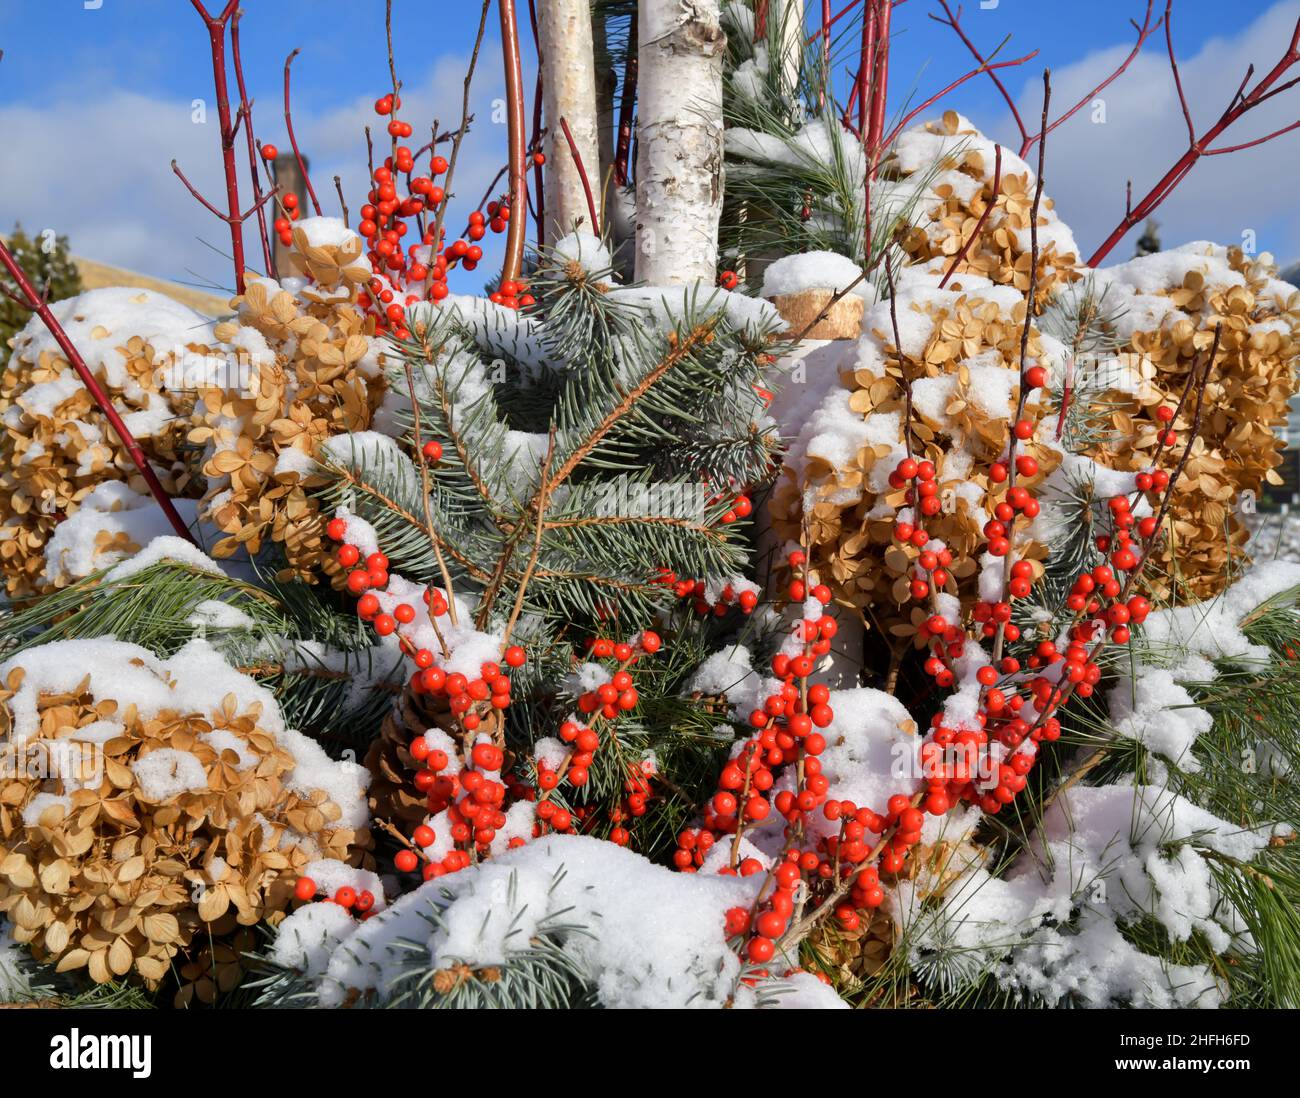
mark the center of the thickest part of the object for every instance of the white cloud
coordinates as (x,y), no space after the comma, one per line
(1144,134)
(99,169)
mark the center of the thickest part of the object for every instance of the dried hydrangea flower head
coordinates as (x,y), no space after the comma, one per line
(1166,307)
(129,827)
(961,352)
(955,164)
(56,447)
(310,369)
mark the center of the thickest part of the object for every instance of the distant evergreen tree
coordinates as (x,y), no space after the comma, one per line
(53,267)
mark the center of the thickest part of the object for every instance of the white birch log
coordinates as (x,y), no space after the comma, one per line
(792,34)
(569,92)
(679,172)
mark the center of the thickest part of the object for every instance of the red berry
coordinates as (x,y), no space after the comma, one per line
(269,151)
(432,450)
(305,889)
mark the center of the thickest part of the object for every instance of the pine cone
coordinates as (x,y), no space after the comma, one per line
(854,956)
(393,796)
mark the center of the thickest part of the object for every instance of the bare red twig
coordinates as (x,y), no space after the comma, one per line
(1173,64)
(582,174)
(866,70)
(1242,103)
(293,141)
(1027,139)
(986,67)
(879,82)
(216,27)
(518,224)
(41,308)
(239,218)
(979,225)
(829,21)
(246,111)
(826,51)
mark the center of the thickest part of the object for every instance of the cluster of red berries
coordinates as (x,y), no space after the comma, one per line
(360,903)
(785,733)
(291,212)
(743,595)
(637,787)
(607,702)
(418,272)
(474,800)
(288,202)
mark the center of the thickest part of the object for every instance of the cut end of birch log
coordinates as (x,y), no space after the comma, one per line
(843,320)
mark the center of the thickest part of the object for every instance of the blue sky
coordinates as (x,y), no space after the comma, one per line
(95,102)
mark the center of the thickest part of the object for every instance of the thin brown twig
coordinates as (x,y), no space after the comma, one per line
(1030,294)
(246,111)
(420,458)
(293,141)
(465,119)
(343,202)
(541,504)
(979,225)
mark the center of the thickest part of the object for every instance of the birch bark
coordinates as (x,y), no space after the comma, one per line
(679,169)
(569,92)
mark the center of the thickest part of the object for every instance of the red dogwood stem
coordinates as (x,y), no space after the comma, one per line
(217,36)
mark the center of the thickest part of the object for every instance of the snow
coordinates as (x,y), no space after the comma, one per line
(792,274)
(668,306)
(872,750)
(585,250)
(214,614)
(197,679)
(722,672)
(308,938)
(14,983)
(327,232)
(1213,629)
(1099,967)
(168,772)
(373,451)
(34,809)
(643,936)
(112,522)
(98,322)
(167,548)
(330,875)
(1159,713)
(1104,856)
